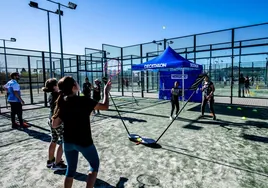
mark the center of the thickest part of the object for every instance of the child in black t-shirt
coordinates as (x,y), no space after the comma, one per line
(175,93)
(208,89)
(73,111)
(56,133)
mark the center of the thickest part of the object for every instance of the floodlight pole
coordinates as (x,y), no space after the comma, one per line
(4,42)
(61,46)
(71,6)
(49,44)
(35,5)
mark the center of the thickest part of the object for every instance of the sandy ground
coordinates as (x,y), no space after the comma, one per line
(195,153)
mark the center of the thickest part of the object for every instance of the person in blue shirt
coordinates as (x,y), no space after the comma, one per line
(15,100)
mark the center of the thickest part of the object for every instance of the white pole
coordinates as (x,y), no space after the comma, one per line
(131,80)
(182,87)
(132,84)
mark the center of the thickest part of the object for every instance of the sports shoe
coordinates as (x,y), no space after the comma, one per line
(59,166)
(15,125)
(25,125)
(50,163)
(170,117)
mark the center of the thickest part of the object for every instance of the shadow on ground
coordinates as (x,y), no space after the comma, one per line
(36,134)
(99,183)
(236,110)
(131,120)
(219,122)
(255,138)
(222,163)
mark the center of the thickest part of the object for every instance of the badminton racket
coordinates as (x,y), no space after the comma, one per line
(112,68)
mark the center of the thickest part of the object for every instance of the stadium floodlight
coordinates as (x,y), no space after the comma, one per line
(13,40)
(72,5)
(59,12)
(33,4)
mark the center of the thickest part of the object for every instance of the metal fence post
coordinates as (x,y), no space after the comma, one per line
(239,69)
(77,68)
(44,76)
(30,79)
(232,73)
(122,71)
(194,48)
(142,74)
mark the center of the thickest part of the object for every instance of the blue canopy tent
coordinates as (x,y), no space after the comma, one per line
(170,61)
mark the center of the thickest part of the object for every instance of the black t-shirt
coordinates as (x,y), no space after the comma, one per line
(87,88)
(247,82)
(75,114)
(52,99)
(175,93)
(207,88)
(241,80)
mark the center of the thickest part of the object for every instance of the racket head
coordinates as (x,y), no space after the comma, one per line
(112,68)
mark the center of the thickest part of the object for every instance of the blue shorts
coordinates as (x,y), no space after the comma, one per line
(71,152)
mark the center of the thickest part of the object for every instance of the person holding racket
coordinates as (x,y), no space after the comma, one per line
(74,111)
(175,93)
(208,89)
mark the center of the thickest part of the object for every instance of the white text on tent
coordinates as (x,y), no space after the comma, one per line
(155,65)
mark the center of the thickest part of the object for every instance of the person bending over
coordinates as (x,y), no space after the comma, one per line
(73,111)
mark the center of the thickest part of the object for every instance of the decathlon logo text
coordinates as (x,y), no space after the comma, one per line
(155,65)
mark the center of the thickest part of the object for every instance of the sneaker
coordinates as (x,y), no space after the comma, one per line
(25,125)
(15,126)
(170,117)
(59,166)
(50,163)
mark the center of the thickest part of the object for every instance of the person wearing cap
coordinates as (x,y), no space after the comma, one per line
(87,88)
(15,100)
(97,93)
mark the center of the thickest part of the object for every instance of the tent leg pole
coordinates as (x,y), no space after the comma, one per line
(132,84)
(182,86)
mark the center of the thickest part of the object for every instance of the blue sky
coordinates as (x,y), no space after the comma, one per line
(122,22)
